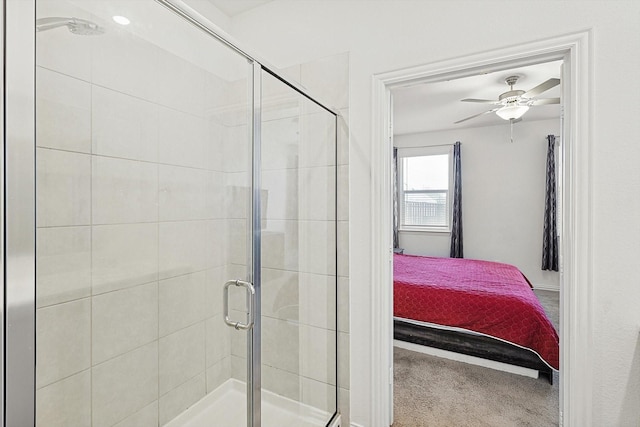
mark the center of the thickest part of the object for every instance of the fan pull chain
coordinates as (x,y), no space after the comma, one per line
(511,128)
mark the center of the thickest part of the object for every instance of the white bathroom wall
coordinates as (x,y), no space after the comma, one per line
(388,35)
(133,224)
(503,190)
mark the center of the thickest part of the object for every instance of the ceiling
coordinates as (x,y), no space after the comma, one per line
(430,107)
(232,8)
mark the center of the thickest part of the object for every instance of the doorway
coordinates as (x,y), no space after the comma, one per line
(503,200)
(575,296)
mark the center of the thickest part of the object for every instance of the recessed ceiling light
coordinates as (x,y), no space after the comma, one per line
(122,20)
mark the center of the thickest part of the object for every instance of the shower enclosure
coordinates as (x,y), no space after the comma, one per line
(170,227)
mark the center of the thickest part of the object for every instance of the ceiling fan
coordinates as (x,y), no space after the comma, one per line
(512,104)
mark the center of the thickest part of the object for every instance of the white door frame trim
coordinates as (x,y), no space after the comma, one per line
(576,248)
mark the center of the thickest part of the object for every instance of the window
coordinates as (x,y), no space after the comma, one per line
(424,176)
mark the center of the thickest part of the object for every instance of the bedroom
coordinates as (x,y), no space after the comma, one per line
(503,182)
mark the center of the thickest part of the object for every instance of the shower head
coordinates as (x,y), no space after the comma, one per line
(78,26)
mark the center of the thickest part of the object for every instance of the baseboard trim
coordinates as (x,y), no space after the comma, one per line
(543,287)
(472,360)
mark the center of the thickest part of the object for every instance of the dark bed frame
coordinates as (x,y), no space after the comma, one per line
(472,345)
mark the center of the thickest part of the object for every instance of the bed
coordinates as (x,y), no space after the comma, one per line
(479,308)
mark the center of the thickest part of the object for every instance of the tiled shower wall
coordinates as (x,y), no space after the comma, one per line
(142,169)
(133,227)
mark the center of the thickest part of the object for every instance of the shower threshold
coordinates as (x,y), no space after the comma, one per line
(226,406)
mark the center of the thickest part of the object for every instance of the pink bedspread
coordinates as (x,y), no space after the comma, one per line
(481,296)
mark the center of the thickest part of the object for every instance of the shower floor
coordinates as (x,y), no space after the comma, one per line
(227,407)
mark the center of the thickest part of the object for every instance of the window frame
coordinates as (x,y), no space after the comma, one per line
(434,150)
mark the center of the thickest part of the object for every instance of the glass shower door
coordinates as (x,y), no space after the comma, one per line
(143,135)
(298,249)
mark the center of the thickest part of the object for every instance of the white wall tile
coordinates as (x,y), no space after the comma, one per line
(343,248)
(214,147)
(239,368)
(214,281)
(215,199)
(281,344)
(281,382)
(218,340)
(182,139)
(238,194)
(343,360)
(124,126)
(343,137)
(182,84)
(218,373)
(281,294)
(60,101)
(318,300)
(281,193)
(180,398)
(237,149)
(328,77)
(182,247)
(236,235)
(65,403)
(344,403)
(215,243)
(238,338)
(59,49)
(182,302)
(287,105)
(343,304)
(123,320)
(182,356)
(343,192)
(146,417)
(280,245)
(317,188)
(318,139)
(126,63)
(183,193)
(63,188)
(280,143)
(64,264)
(319,395)
(318,247)
(318,354)
(236,110)
(124,385)
(63,334)
(124,255)
(124,191)
(216,90)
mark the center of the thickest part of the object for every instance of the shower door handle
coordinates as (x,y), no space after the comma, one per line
(225,301)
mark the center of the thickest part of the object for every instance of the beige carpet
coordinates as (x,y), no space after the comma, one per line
(434,392)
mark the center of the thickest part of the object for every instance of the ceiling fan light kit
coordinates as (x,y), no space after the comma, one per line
(512,112)
(513,104)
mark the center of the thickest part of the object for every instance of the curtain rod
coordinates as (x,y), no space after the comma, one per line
(437,145)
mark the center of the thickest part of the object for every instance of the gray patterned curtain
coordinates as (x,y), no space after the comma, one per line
(456,215)
(550,236)
(396,237)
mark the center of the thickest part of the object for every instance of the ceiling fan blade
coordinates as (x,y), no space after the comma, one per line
(476,115)
(545,101)
(482,101)
(542,87)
